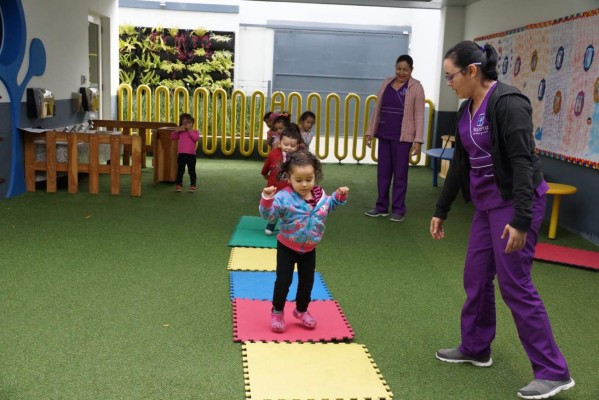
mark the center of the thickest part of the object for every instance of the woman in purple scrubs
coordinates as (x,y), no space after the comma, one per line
(496,168)
(398,124)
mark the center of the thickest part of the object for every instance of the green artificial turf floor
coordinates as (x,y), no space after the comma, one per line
(114,297)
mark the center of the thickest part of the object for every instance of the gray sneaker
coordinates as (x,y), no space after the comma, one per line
(542,389)
(375,213)
(456,356)
(397,217)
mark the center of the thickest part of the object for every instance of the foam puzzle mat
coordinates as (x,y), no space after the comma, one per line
(325,371)
(258,285)
(249,232)
(252,259)
(251,322)
(567,256)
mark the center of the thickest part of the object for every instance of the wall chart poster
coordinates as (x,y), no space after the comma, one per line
(556,64)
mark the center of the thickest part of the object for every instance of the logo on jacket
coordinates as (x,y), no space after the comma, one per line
(481,120)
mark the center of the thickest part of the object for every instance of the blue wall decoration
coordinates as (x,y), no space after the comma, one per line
(12,53)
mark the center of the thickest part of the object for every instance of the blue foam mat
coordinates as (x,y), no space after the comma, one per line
(258,285)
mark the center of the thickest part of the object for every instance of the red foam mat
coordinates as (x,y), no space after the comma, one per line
(251,322)
(567,255)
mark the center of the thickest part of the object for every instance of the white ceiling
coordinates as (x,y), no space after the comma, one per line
(430,4)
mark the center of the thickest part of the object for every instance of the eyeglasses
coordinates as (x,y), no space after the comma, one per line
(449,78)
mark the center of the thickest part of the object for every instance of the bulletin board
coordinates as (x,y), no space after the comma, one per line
(555,65)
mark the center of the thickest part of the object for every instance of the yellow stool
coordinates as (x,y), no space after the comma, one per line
(557,190)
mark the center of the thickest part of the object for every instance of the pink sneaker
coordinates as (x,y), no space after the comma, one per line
(277,322)
(305,318)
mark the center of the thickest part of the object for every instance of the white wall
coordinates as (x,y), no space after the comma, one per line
(254,44)
(491,16)
(425,25)
(254,58)
(66,45)
(66,53)
(179,19)
(108,12)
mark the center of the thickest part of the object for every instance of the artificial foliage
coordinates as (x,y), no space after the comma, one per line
(175,57)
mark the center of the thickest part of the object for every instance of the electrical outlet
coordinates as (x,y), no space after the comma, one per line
(83,79)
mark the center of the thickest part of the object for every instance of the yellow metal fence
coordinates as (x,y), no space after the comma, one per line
(236,122)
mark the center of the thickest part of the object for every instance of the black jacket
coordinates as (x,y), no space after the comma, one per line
(516,166)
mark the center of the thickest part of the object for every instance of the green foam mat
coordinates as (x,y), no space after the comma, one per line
(249,232)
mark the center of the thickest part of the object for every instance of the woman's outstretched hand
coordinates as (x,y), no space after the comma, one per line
(516,239)
(437,231)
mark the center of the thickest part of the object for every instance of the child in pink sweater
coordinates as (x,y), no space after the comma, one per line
(187,137)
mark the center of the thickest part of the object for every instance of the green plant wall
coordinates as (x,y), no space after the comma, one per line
(175,57)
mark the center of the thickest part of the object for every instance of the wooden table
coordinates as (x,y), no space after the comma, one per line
(557,190)
(165,155)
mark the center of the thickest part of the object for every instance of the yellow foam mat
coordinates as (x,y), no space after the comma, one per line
(252,259)
(303,371)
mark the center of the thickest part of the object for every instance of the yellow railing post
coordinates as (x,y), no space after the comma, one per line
(317,110)
(162,90)
(294,98)
(429,131)
(181,90)
(370,101)
(277,100)
(239,100)
(356,117)
(259,97)
(196,113)
(328,117)
(124,87)
(345,138)
(142,93)
(222,95)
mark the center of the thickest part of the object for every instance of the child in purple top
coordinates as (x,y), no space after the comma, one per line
(187,137)
(302,209)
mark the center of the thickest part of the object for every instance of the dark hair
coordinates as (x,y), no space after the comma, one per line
(468,52)
(187,117)
(307,114)
(266,116)
(301,158)
(284,117)
(406,58)
(292,131)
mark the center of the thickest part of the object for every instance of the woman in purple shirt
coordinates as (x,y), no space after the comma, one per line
(495,167)
(398,124)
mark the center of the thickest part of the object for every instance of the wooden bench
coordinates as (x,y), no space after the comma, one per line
(557,190)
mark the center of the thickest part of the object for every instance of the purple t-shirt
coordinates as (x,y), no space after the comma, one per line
(475,135)
(392,108)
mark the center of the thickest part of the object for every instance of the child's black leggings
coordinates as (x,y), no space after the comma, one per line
(184,159)
(306,265)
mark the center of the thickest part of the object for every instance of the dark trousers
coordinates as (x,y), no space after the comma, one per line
(306,265)
(189,160)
